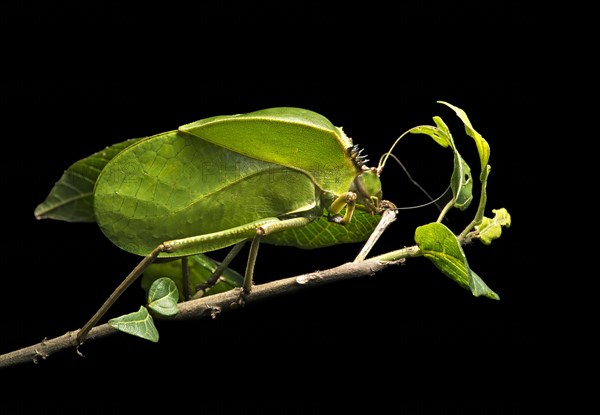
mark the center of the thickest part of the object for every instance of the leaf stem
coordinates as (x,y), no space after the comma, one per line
(400,254)
(445,210)
(464,235)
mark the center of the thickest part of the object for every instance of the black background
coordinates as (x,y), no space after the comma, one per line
(80,76)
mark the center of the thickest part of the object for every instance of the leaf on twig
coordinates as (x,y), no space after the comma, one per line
(460,182)
(491,228)
(483,148)
(441,247)
(138,324)
(163,296)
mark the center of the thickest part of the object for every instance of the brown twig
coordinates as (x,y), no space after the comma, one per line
(209,306)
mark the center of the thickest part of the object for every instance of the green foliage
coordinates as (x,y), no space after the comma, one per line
(436,241)
(491,228)
(163,297)
(483,148)
(461,182)
(441,246)
(138,324)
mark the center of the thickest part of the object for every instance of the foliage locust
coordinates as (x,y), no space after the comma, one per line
(284,176)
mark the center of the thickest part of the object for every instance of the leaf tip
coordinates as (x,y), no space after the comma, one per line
(487,294)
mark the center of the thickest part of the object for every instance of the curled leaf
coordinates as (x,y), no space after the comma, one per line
(491,228)
(438,135)
(163,296)
(461,182)
(483,148)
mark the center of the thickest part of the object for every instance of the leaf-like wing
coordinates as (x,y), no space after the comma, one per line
(71,198)
(291,137)
(321,232)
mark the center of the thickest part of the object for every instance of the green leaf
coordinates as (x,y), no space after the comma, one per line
(163,296)
(491,228)
(138,324)
(479,288)
(201,268)
(461,182)
(441,247)
(439,136)
(483,147)
(71,198)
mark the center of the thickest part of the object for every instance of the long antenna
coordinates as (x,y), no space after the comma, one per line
(421,188)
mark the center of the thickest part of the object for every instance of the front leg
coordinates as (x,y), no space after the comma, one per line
(347,200)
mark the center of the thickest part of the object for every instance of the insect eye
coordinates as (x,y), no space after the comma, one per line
(368,185)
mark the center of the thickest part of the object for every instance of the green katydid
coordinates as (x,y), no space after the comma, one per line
(284,176)
(225,180)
